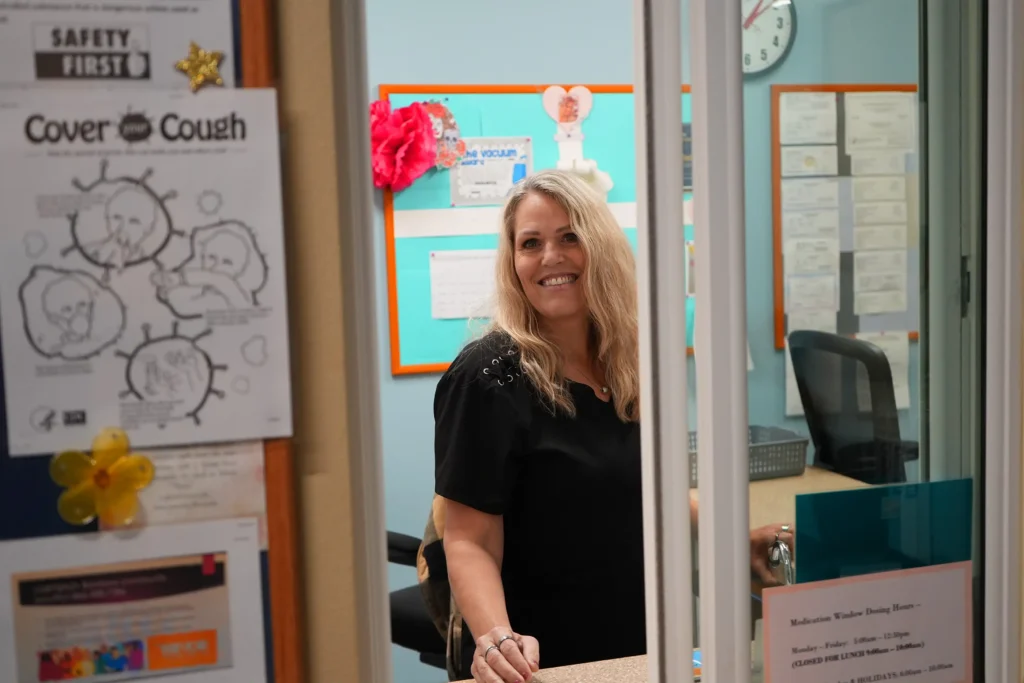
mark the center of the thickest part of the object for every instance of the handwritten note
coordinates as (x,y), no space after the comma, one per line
(203,483)
(908,625)
(461,283)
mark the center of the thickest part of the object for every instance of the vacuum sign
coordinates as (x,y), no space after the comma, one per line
(91,52)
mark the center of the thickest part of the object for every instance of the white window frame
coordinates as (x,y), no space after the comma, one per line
(722,368)
(668,563)
(362,380)
(720,340)
(1003,343)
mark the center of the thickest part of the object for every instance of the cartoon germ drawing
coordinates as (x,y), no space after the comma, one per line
(128,226)
(225,271)
(69,314)
(35,244)
(172,370)
(254,351)
(209,202)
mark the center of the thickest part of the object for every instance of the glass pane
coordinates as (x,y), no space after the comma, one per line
(861,217)
(567,490)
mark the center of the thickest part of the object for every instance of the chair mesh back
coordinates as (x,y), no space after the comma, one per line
(847,396)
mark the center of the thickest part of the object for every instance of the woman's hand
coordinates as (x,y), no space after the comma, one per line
(761,541)
(505,657)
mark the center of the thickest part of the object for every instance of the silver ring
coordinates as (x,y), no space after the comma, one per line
(488,651)
(504,638)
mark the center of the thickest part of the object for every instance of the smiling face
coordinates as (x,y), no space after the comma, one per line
(549,259)
(226,254)
(68,305)
(131,216)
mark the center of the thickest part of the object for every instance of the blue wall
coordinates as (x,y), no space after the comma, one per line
(482,41)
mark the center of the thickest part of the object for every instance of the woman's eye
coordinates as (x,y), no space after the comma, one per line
(571,237)
(531,243)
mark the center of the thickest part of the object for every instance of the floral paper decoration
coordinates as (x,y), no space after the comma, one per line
(402,144)
(450,145)
(102,484)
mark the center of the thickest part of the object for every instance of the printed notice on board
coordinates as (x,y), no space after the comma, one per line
(461,283)
(490,168)
(180,602)
(880,121)
(807,118)
(911,625)
(75,621)
(114,44)
(896,347)
(794,405)
(142,280)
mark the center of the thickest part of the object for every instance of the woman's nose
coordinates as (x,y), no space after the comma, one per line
(553,254)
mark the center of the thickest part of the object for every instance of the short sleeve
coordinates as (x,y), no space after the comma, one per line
(477,428)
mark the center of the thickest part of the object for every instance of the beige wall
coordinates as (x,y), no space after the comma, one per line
(307,112)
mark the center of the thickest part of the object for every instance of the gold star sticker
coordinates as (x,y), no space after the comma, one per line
(201,67)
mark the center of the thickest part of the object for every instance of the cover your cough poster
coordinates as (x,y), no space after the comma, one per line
(142,281)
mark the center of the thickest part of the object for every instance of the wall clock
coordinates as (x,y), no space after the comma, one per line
(769,28)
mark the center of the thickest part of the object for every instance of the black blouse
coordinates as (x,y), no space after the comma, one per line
(569,491)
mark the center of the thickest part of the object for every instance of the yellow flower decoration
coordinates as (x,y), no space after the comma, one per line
(102,484)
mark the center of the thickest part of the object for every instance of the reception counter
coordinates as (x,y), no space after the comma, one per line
(630,670)
(772,501)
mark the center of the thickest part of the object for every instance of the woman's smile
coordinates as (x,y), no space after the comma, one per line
(560,281)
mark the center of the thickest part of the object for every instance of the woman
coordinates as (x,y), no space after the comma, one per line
(537,445)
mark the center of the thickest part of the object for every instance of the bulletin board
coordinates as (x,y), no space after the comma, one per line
(28,495)
(845,164)
(421,223)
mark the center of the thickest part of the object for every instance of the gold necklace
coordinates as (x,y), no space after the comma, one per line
(603,387)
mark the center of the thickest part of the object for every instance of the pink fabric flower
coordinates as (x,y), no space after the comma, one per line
(402,144)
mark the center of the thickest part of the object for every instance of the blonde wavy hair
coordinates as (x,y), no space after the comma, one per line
(609,289)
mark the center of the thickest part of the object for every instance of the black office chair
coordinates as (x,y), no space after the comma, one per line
(848,399)
(411,625)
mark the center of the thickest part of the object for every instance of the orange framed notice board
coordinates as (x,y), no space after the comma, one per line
(845,187)
(440,238)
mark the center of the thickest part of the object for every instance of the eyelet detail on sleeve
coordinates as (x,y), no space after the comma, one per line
(504,368)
